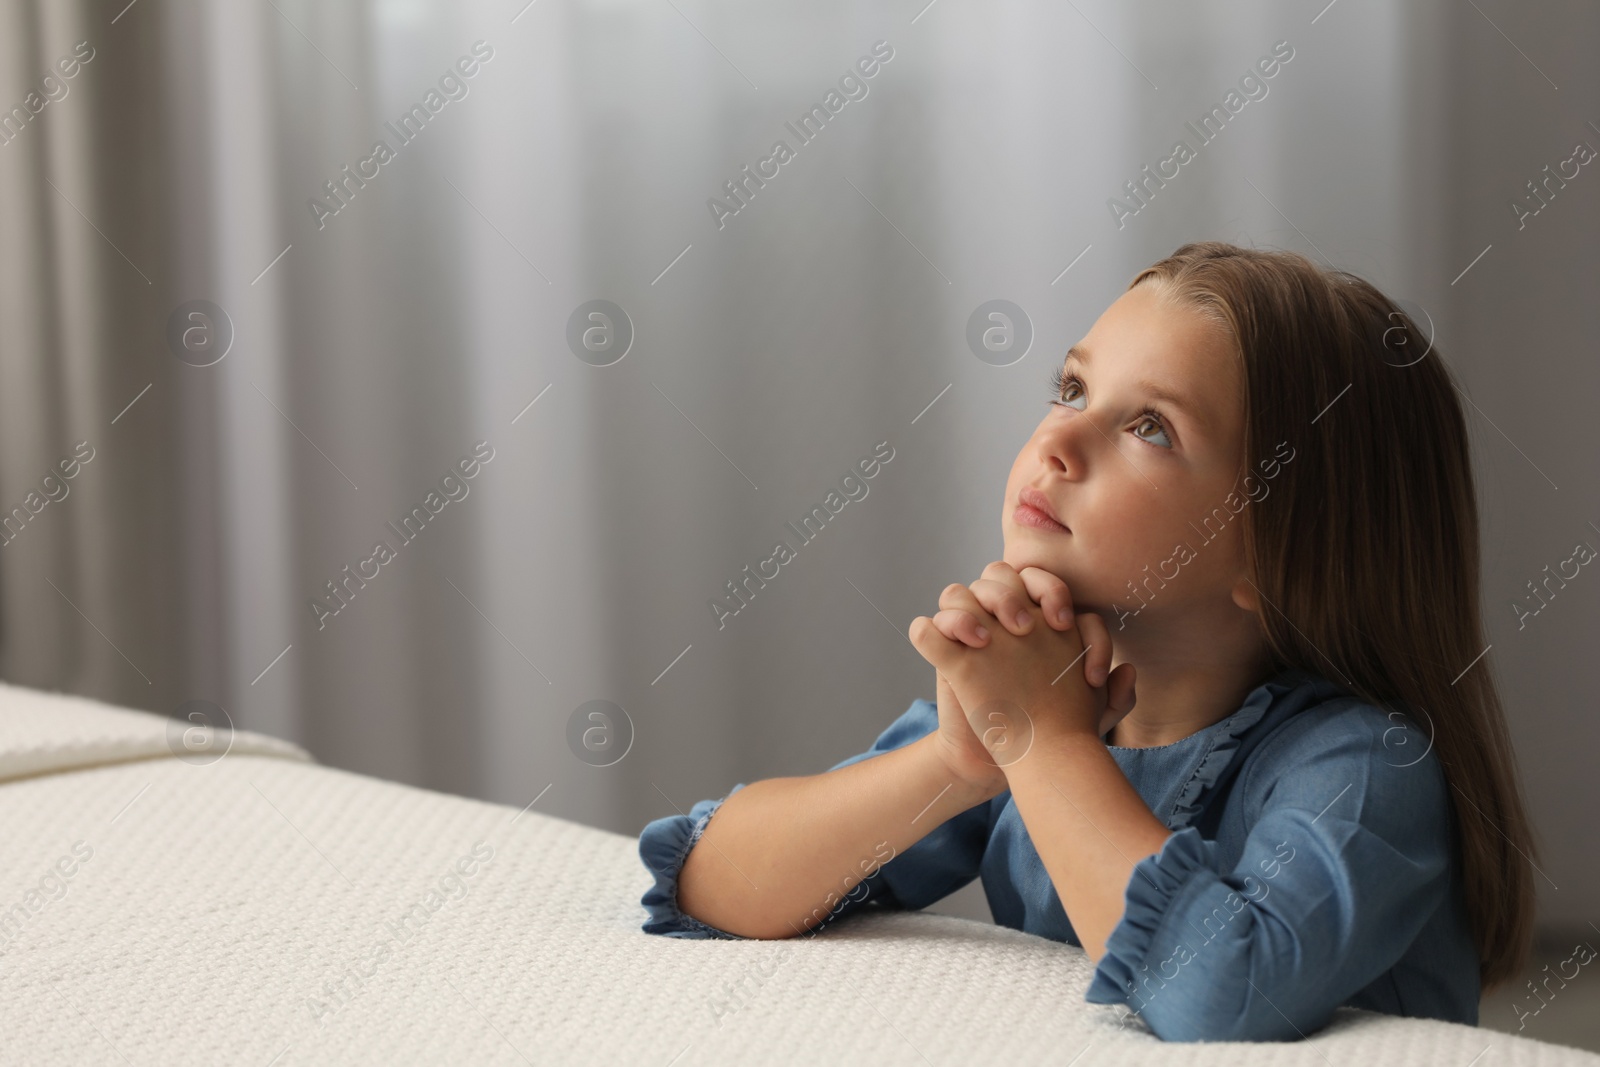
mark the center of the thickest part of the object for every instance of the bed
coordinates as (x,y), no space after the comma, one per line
(176,897)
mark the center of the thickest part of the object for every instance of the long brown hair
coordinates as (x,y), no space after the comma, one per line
(1367,558)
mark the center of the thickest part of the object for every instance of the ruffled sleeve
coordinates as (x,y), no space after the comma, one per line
(1155,882)
(1346,858)
(663,847)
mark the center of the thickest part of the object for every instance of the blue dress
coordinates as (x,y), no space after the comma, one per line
(1313,864)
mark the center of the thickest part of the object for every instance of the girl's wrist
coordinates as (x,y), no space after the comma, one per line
(1053,745)
(962,791)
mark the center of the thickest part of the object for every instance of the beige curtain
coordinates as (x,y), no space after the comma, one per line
(93,573)
(179,562)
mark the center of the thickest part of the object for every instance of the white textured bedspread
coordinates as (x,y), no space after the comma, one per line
(261,909)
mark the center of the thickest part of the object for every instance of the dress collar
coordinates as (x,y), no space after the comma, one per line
(1224,737)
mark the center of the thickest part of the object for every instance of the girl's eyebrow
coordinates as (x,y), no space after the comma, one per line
(1080,355)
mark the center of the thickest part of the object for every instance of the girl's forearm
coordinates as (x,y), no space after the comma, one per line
(1088,825)
(780,854)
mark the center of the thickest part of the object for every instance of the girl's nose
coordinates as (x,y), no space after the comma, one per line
(1067,442)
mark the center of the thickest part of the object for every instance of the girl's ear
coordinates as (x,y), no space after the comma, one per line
(1245,595)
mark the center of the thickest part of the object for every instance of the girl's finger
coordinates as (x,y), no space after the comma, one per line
(1120,689)
(958,625)
(958,597)
(1004,573)
(1121,698)
(1052,594)
(932,645)
(1097,640)
(1008,606)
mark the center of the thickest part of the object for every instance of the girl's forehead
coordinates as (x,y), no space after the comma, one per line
(1168,353)
(1148,322)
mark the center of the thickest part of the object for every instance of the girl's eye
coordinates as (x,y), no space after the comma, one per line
(1058,390)
(1149,418)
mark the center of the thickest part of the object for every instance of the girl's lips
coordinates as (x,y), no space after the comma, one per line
(1031,516)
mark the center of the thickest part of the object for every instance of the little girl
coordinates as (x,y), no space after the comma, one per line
(1255,476)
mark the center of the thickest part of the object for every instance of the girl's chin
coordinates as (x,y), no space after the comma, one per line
(1023,555)
(1083,598)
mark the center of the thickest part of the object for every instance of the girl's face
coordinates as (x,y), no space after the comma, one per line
(1127,470)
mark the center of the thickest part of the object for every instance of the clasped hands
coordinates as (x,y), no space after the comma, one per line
(1015,664)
